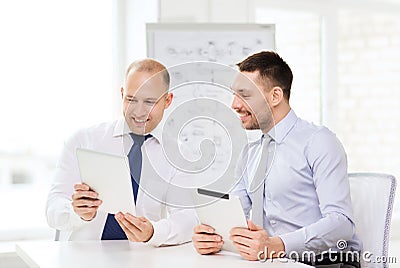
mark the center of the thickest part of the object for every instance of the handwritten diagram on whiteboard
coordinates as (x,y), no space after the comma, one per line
(220,45)
(224,43)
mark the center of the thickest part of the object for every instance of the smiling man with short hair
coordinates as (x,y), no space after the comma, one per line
(72,206)
(304,203)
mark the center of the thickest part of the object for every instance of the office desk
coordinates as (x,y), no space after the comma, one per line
(52,254)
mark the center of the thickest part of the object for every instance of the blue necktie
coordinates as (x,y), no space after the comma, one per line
(112,230)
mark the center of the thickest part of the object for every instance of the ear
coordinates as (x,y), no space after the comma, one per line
(168,100)
(276,96)
(122,92)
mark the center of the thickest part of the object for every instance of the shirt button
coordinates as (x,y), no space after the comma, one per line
(273,222)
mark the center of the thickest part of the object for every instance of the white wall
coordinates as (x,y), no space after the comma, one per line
(358,55)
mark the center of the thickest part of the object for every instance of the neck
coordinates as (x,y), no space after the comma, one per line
(278,114)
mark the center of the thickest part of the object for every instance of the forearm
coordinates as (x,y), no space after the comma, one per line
(176,229)
(319,236)
(60,214)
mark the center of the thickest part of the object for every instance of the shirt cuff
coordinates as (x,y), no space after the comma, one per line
(77,221)
(160,233)
(294,242)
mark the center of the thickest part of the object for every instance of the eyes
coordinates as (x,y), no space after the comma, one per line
(147,102)
(242,95)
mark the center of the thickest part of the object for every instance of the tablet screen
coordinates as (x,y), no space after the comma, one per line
(108,175)
(222,212)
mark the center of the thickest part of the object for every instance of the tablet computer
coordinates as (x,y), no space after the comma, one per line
(108,175)
(222,212)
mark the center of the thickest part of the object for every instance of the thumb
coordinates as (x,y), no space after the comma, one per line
(143,219)
(253,227)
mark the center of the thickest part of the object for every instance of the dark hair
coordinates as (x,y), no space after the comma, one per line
(272,69)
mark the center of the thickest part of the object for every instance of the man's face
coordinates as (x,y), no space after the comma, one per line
(145,98)
(251,102)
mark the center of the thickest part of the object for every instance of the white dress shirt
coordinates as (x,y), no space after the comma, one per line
(154,195)
(306,192)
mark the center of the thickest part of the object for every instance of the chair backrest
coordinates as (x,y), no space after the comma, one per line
(372,195)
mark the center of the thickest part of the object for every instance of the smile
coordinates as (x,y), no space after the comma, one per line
(244,115)
(140,121)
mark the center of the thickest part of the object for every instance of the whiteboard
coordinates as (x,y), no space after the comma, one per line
(206,53)
(224,43)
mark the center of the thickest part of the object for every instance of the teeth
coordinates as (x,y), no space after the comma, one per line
(140,121)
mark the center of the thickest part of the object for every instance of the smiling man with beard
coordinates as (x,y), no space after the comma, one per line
(303,203)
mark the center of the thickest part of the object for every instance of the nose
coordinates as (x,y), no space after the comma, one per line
(236,103)
(140,111)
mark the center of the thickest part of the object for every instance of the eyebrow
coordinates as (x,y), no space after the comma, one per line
(240,90)
(145,99)
(149,98)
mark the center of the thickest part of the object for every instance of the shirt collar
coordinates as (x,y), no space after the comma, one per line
(121,128)
(282,129)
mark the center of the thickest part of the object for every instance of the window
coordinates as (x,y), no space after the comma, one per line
(298,42)
(56,69)
(369,90)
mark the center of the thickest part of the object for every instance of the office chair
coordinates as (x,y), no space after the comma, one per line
(57,235)
(372,195)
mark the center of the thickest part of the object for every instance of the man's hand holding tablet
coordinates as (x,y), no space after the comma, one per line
(205,240)
(218,214)
(85,202)
(224,226)
(106,186)
(108,178)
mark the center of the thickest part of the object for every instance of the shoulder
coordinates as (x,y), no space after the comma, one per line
(320,141)
(104,127)
(323,137)
(97,131)
(307,129)
(312,133)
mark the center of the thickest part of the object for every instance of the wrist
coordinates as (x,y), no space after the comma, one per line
(86,219)
(89,218)
(151,234)
(276,247)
